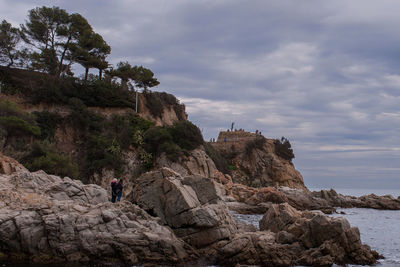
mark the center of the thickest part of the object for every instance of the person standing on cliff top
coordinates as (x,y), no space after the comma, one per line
(118,189)
(113,190)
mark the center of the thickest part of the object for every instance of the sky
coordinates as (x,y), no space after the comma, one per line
(324,74)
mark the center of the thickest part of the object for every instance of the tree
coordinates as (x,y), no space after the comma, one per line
(91,51)
(145,78)
(59,36)
(46,30)
(9,39)
(142,77)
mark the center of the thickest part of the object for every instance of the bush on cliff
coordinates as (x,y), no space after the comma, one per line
(156,102)
(45,157)
(256,143)
(47,122)
(102,152)
(186,135)
(220,161)
(15,122)
(283,149)
(173,140)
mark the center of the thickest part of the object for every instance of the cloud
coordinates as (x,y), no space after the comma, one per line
(322,73)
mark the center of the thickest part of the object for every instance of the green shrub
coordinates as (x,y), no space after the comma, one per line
(84,119)
(220,161)
(283,149)
(256,143)
(102,152)
(48,122)
(128,129)
(9,108)
(172,150)
(173,140)
(49,91)
(95,92)
(186,135)
(18,126)
(157,101)
(42,87)
(155,137)
(44,157)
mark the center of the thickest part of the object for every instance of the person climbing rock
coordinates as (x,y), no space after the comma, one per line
(119,188)
(113,190)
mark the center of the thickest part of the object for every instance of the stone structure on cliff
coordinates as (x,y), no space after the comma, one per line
(260,166)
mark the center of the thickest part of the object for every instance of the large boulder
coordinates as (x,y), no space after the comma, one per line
(46,218)
(332,239)
(190,205)
(196,162)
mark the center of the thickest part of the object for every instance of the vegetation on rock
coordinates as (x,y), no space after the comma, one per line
(221,161)
(156,102)
(173,140)
(283,148)
(256,143)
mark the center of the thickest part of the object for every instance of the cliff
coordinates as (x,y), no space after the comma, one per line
(254,161)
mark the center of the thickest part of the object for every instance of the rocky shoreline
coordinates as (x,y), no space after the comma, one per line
(250,200)
(175,220)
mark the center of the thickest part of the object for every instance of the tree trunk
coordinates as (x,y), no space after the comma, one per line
(100,74)
(86,73)
(60,68)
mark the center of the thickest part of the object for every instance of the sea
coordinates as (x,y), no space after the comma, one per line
(380,229)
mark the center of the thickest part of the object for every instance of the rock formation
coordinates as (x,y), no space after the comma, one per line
(257,167)
(48,218)
(45,218)
(371,201)
(255,200)
(332,239)
(190,205)
(197,162)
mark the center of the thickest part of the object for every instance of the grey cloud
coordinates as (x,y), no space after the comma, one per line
(322,73)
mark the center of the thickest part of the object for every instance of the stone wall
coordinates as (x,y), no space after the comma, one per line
(235,136)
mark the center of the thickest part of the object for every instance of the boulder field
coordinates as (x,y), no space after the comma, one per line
(167,219)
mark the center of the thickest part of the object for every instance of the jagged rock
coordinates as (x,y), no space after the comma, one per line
(197,162)
(332,239)
(302,199)
(256,198)
(372,201)
(9,165)
(48,218)
(190,205)
(260,167)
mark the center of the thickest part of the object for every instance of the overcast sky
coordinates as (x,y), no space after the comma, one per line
(324,74)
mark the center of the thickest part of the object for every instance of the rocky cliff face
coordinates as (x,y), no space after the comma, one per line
(259,167)
(46,218)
